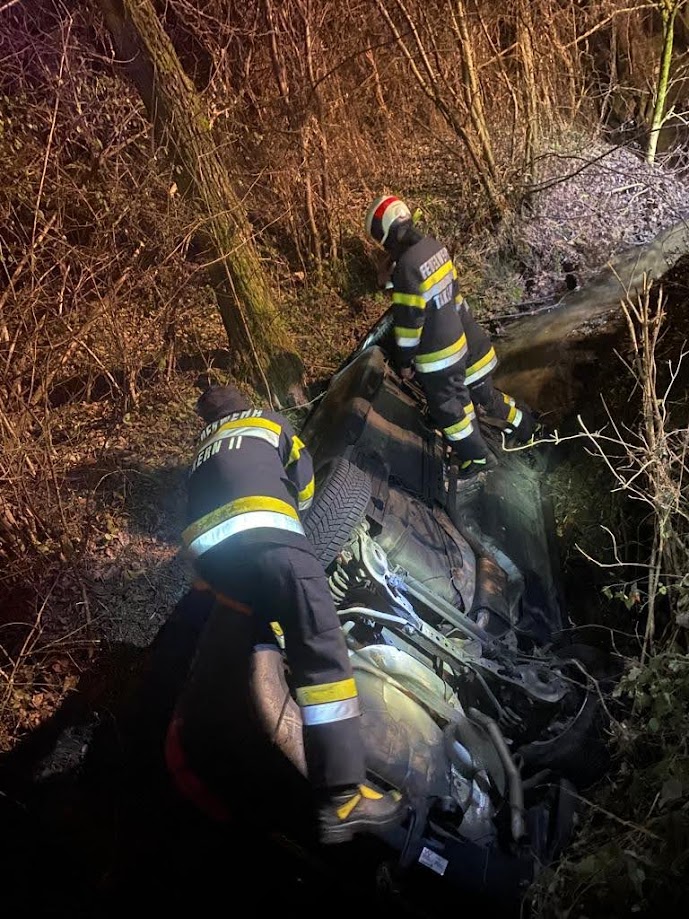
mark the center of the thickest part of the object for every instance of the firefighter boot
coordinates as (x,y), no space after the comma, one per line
(529,431)
(469,469)
(359,810)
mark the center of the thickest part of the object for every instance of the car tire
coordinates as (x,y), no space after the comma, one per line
(581,753)
(339,505)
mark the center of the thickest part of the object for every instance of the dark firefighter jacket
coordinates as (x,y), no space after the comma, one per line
(250,478)
(435,330)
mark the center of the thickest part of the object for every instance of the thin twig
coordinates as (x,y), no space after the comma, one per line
(49,145)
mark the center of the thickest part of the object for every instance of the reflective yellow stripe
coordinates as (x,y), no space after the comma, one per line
(460,430)
(508,400)
(487,357)
(409,300)
(464,427)
(511,415)
(276,629)
(306,494)
(455,428)
(242,523)
(454,348)
(437,275)
(233,416)
(370,793)
(482,367)
(442,364)
(407,338)
(407,333)
(297,446)
(233,509)
(326,692)
(232,427)
(441,287)
(328,702)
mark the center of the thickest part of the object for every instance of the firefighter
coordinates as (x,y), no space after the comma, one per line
(250,480)
(439,340)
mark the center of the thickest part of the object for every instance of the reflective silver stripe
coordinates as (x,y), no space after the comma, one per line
(259,433)
(304,505)
(444,362)
(240,524)
(460,435)
(437,288)
(327,712)
(407,342)
(482,372)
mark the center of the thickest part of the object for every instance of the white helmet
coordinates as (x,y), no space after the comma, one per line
(383,214)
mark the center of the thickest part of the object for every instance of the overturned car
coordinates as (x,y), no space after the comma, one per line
(472,702)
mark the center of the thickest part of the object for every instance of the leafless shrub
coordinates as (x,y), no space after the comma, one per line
(649,463)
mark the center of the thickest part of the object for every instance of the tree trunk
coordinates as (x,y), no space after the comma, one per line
(668,11)
(472,88)
(525,42)
(259,340)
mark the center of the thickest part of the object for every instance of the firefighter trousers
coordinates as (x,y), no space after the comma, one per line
(482,391)
(502,406)
(452,402)
(448,398)
(285,584)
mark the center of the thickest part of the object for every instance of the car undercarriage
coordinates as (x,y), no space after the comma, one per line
(473,702)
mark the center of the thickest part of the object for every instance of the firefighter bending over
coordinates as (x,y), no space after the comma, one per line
(437,335)
(250,479)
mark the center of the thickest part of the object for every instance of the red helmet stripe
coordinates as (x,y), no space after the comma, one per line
(382,207)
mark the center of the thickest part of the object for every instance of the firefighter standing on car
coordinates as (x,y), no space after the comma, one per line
(250,480)
(438,337)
